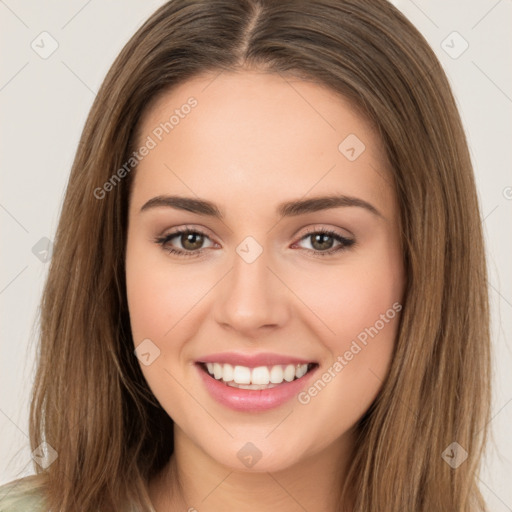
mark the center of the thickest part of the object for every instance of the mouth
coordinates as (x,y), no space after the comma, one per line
(256,378)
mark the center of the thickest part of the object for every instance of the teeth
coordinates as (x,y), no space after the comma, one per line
(217,370)
(276,374)
(227,373)
(289,373)
(301,371)
(241,375)
(261,377)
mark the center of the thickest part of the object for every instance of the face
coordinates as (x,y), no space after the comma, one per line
(251,287)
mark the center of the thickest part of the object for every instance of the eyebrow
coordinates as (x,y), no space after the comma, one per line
(286,209)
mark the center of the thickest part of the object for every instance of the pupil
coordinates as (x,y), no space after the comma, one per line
(319,237)
(189,238)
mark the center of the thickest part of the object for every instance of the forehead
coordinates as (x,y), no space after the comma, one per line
(259,137)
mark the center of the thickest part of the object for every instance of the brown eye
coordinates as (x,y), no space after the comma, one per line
(191,241)
(321,241)
(326,242)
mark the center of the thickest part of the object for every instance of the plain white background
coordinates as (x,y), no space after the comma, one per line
(44,103)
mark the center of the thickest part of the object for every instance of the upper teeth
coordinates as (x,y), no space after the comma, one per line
(260,375)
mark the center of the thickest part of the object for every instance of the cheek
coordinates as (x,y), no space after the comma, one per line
(359,305)
(158,298)
(353,297)
(363,312)
(159,294)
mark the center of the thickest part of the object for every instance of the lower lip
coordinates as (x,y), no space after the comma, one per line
(254,400)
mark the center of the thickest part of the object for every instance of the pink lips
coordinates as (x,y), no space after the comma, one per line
(251,400)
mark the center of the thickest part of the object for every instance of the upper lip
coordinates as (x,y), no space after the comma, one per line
(252,360)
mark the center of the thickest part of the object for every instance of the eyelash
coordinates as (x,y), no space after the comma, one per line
(345,242)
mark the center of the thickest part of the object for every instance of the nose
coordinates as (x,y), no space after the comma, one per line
(252,298)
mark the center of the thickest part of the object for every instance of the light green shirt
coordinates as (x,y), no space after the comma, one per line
(21,495)
(26,495)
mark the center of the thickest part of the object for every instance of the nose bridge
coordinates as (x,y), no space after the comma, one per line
(252,296)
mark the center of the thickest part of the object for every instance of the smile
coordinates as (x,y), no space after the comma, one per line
(261,377)
(254,383)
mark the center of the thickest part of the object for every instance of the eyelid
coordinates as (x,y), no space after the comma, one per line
(185,228)
(322,227)
(299,234)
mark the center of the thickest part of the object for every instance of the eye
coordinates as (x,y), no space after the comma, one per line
(190,240)
(323,242)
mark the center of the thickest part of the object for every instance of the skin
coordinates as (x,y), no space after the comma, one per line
(253,141)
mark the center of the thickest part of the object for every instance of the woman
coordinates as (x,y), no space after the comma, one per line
(268,282)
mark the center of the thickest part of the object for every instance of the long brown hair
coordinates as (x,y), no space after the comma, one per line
(91,403)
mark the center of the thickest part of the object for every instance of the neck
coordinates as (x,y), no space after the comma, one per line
(192,481)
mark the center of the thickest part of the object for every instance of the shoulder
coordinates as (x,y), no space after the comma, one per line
(22,495)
